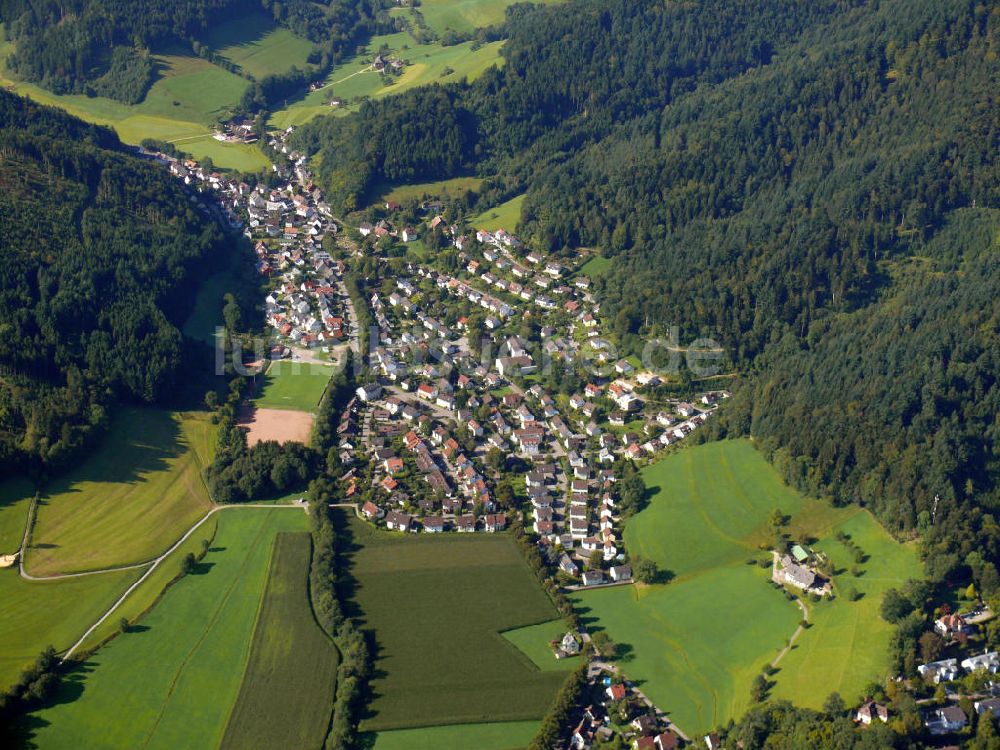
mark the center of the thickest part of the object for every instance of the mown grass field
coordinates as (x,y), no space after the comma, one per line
(596,267)
(177,675)
(287,693)
(460,15)
(698,641)
(258,45)
(293,385)
(15,501)
(533,641)
(50,613)
(353,80)
(503,735)
(847,645)
(147,594)
(206,315)
(437,606)
(189,95)
(130,499)
(443,188)
(505,216)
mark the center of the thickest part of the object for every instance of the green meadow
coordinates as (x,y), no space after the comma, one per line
(188,97)
(133,497)
(258,45)
(441,188)
(505,216)
(146,595)
(596,267)
(15,501)
(697,642)
(846,647)
(534,642)
(354,79)
(288,689)
(502,735)
(38,614)
(437,606)
(206,314)
(293,385)
(460,15)
(176,675)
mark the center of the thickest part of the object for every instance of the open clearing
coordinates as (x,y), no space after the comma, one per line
(292,385)
(37,614)
(354,79)
(189,95)
(258,45)
(847,645)
(505,216)
(15,500)
(287,693)
(443,188)
(596,267)
(133,497)
(460,15)
(503,735)
(437,605)
(280,425)
(533,641)
(177,675)
(698,641)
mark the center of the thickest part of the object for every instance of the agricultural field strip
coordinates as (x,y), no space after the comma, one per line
(153,565)
(291,656)
(216,613)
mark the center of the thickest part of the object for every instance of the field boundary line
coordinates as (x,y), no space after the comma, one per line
(153,565)
(210,625)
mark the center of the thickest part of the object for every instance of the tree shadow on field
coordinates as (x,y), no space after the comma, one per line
(201,568)
(71,688)
(582,613)
(348,586)
(139,442)
(624,653)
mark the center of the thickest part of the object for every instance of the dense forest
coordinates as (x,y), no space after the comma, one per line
(102,47)
(102,253)
(813,190)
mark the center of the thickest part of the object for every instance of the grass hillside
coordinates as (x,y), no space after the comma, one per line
(15,500)
(353,79)
(258,45)
(436,606)
(177,675)
(697,642)
(130,499)
(288,688)
(460,15)
(188,96)
(505,216)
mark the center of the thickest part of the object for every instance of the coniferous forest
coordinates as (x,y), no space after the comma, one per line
(102,47)
(830,220)
(103,255)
